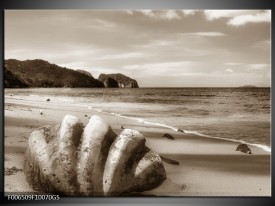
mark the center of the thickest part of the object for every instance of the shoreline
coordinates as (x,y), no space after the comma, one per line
(228,172)
(138,120)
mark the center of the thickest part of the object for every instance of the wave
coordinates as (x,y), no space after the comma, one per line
(140,120)
(149,123)
(261,146)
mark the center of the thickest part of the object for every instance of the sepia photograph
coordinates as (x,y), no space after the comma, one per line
(137,103)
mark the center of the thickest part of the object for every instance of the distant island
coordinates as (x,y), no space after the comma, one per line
(40,73)
(248,86)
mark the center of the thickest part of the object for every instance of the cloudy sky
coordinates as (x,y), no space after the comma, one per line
(168,48)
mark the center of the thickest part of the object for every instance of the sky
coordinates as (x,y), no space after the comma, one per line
(158,48)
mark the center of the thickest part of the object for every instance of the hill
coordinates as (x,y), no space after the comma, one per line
(40,73)
(84,72)
(12,81)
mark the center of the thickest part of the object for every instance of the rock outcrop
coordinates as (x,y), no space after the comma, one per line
(40,73)
(121,79)
(244,149)
(108,81)
(92,161)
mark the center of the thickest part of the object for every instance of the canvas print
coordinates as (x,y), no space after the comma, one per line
(137,102)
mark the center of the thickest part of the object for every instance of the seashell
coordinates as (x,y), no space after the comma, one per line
(93,161)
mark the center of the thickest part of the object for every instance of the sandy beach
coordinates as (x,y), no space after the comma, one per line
(207,167)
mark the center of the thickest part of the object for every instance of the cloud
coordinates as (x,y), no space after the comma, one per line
(163,14)
(96,71)
(121,56)
(188,12)
(209,34)
(74,65)
(161,69)
(216,14)
(171,15)
(130,12)
(250,18)
(62,56)
(157,44)
(178,47)
(148,13)
(232,64)
(257,66)
(239,17)
(160,66)
(229,70)
(194,74)
(101,24)
(106,23)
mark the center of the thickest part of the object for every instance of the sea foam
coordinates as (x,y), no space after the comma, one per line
(261,146)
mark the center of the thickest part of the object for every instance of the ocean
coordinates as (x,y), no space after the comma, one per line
(234,114)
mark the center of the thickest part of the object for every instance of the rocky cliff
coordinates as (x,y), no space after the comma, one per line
(121,79)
